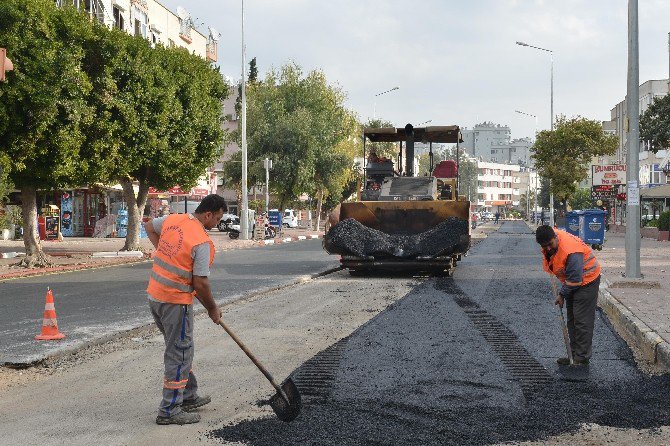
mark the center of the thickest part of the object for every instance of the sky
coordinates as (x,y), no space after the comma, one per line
(455,62)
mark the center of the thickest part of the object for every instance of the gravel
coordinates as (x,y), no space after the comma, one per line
(351,237)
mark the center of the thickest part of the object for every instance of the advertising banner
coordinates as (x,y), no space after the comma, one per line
(608,174)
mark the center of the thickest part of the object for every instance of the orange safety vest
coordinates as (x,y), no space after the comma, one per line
(569,244)
(171,279)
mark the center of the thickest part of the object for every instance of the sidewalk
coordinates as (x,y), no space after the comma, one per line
(638,308)
(76,253)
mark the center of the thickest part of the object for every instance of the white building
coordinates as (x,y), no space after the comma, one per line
(154,22)
(498,186)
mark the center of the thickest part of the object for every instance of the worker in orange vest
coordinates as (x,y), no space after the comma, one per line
(182,260)
(572,261)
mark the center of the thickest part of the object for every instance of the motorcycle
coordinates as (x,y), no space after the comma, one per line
(234,231)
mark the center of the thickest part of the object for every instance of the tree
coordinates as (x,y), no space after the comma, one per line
(253,71)
(163,114)
(299,121)
(564,155)
(581,199)
(655,124)
(45,105)
(232,173)
(527,200)
(543,198)
(382,149)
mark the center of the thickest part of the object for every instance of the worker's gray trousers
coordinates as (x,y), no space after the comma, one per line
(581,309)
(176,323)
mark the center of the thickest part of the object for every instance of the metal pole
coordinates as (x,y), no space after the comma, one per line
(551,193)
(267,184)
(633,141)
(244,216)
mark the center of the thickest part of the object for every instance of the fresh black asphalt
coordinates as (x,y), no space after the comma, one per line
(468,360)
(95,303)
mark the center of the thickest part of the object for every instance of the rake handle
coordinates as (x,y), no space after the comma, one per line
(255,360)
(566,335)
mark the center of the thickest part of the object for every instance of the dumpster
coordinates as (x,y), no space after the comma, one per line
(572,222)
(592,227)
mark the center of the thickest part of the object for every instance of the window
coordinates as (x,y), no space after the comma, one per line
(481,197)
(118,18)
(140,23)
(493,151)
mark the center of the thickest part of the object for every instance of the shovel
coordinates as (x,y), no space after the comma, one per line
(286,402)
(566,336)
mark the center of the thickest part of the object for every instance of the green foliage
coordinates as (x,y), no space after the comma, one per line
(382,149)
(162,110)
(655,124)
(581,199)
(299,121)
(46,104)
(650,223)
(253,71)
(664,221)
(564,155)
(527,197)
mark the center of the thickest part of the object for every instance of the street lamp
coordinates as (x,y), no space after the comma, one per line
(244,215)
(535,189)
(551,54)
(374,109)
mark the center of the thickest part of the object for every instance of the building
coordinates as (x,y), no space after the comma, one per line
(498,186)
(649,91)
(479,141)
(153,21)
(493,143)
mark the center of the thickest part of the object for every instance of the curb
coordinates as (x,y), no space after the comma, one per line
(651,346)
(66,269)
(279,241)
(150,325)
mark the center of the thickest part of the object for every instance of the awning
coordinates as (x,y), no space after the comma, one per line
(656,192)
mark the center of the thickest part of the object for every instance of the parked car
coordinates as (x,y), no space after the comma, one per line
(290,218)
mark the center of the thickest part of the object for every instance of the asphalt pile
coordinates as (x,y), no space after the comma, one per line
(351,237)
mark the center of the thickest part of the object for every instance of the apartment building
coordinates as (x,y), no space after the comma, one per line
(498,186)
(152,21)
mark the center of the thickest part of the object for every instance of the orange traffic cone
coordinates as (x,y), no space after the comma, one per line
(49,325)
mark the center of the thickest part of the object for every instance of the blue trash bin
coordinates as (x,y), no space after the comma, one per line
(572,222)
(592,227)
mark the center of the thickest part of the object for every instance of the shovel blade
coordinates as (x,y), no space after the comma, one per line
(287,410)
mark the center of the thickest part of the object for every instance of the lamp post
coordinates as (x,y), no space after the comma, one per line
(633,142)
(374,108)
(535,189)
(551,54)
(244,215)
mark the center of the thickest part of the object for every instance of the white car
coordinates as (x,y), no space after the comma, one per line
(290,219)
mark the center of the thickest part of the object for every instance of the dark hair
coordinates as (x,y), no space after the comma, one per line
(544,234)
(211,203)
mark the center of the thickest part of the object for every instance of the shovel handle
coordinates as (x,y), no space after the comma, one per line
(566,335)
(251,356)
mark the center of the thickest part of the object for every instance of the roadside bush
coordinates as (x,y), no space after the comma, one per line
(651,224)
(664,221)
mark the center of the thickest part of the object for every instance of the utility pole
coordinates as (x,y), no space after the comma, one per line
(633,142)
(268,166)
(244,216)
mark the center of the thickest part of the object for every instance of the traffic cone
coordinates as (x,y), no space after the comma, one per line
(49,325)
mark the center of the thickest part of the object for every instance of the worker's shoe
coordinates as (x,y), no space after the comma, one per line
(180,418)
(190,405)
(578,362)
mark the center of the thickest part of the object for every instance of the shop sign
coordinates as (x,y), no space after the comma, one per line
(608,174)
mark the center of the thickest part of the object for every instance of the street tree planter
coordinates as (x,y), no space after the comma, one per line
(663,236)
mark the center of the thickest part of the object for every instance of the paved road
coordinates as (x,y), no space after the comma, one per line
(95,303)
(468,360)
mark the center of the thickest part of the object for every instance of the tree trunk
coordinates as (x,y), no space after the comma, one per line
(135,211)
(319,206)
(34,254)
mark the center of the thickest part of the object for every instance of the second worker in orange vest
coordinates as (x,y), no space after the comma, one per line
(572,261)
(183,257)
